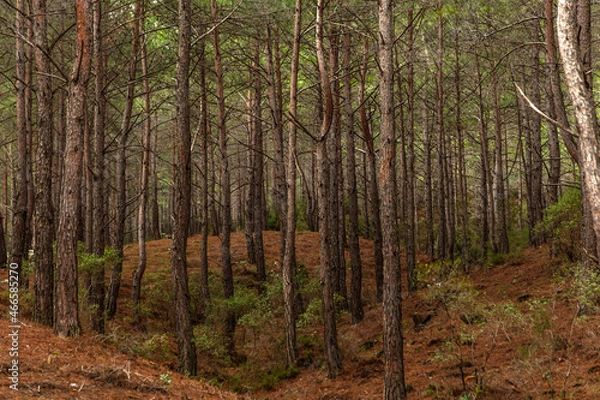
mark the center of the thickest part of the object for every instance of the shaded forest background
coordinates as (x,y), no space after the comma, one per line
(441,129)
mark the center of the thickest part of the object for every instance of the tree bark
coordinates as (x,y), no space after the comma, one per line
(501,232)
(20,189)
(144,172)
(289,256)
(355,297)
(121,171)
(66,308)
(372,181)
(582,98)
(334,362)
(394,387)
(44,208)
(181,211)
(228,288)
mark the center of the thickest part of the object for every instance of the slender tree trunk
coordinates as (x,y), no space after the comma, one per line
(394,387)
(484,164)
(44,213)
(279,184)
(204,143)
(289,256)
(442,237)
(409,195)
(501,232)
(66,308)
(3,257)
(353,228)
(121,170)
(145,167)
(182,203)
(334,362)
(429,235)
(228,288)
(20,188)
(373,186)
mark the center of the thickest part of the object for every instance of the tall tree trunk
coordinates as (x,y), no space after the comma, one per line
(66,308)
(228,288)
(145,167)
(98,214)
(353,228)
(394,387)
(44,209)
(326,231)
(429,235)
(484,163)
(181,212)
(273,68)
(121,170)
(501,232)
(442,237)
(409,195)
(204,143)
(289,256)
(3,257)
(580,90)
(20,188)
(372,181)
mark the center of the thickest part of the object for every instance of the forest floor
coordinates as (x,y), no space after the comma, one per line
(512,330)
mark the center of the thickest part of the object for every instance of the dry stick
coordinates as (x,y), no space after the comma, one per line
(541,113)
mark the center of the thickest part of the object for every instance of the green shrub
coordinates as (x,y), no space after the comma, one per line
(561,224)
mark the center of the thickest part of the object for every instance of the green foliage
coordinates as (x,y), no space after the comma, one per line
(88,262)
(156,347)
(585,287)
(561,224)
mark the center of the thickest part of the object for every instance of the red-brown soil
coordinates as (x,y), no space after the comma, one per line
(542,353)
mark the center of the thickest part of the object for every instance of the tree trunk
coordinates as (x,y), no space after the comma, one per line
(484,163)
(372,181)
(142,207)
(181,212)
(501,232)
(3,258)
(353,228)
(394,387)
(289,256)
(228,288)
(121,171)
(582,98)
(409,195)
(66,308)
(204,143)
(44,209)
(326,231)
(442,237)
(429,235)
(20,188)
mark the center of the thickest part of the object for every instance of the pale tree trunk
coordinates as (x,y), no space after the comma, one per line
(66,307)
(373,189)
(427,178)
(394,387)
(138,274)
(326,231)
(289,256)
(355,297)
(44,209)
(182,202)
(3,258)
(585,113)
(121,169)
